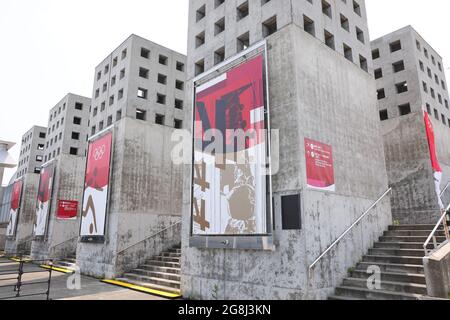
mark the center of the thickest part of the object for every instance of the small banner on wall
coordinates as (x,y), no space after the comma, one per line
(437,171)
(96,187)
(44,200)
(319,166)
(16,197)
(67,210)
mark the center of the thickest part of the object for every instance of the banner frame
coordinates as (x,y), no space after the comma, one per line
(98,239)
(240,242)
(13,237)
(47,222)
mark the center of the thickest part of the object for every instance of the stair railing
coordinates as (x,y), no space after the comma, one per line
(338,240)
(52,248)
(432,235)
(149,237)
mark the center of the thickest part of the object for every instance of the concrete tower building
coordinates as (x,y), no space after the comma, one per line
(140,80)
(30,162)
(68,127)
(32,151)
(65,156)
(320,87)
(139,97)
(410,78)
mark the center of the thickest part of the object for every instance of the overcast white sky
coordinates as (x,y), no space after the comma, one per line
(51,47)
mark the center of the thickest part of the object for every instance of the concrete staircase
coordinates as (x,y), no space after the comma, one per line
(69,263)
(159,273)
(398,254)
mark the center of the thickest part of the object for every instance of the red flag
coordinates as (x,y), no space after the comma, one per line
(431,143)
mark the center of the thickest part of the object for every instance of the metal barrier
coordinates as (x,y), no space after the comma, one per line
(18,274)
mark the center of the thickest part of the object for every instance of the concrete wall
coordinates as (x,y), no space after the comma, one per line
(145,199)
(22,240)
(62,235)
(318,94)
(437,272)
(3,236)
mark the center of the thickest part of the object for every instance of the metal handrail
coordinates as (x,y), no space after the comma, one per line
(432,234)
(445,189)
(150,237)
(311,267)
(59,244)
(441,220)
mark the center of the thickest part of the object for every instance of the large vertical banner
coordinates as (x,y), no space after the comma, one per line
(96,187)
(319,166)
(437,171)
(44,200)
(16,198)
(230,146)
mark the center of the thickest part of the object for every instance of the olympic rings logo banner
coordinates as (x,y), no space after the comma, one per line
(96,187)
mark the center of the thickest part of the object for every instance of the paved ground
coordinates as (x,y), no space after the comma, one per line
(91,289)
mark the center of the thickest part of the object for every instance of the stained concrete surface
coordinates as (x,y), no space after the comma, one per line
(91,288)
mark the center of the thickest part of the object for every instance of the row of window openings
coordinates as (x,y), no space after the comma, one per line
(56,126)
(397,46)
(78,106)
(145,53)
(405,109)
(143,73)
(403,87)
(72,151)
(400,66)
(243,10)
(28,147)
(243,43)
(140,115)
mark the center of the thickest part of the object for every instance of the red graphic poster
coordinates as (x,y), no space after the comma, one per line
(16,197)
(44,199)
(67,210)
(230,192)
(437,174)
(96,187)
(319,166)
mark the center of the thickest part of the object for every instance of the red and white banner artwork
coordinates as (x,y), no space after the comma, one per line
(319,166)
(96,187)
(229,180)
(44,200)
(437,171)
(67,210)
(16,197)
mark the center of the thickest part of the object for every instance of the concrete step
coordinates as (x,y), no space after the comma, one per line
(427,227)
(160,269)
(393,259)
(64,264)
(402,245)
(156,274)
(167,259)
(397,252)
(171,254)
(70,260)
(160,263)
(391,267)
(150,285)
(412,233)
(401,287)
(366,294)
(342,298)
(392,277)
(175,250)
(409,239)
(153,280)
